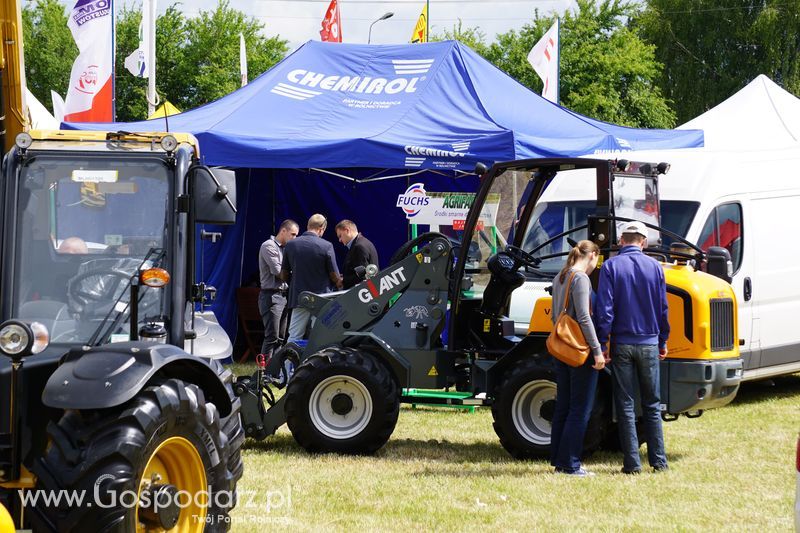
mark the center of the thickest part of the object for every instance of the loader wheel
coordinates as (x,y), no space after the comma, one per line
(342,400)
(164,459)
(523,409)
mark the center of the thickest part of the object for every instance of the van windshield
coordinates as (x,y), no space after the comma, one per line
(551,218)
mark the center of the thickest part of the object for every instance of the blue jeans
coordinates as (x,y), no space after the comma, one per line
(574,401)
(629,362)
(299,323)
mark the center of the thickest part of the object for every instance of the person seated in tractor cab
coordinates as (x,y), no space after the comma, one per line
(73,245)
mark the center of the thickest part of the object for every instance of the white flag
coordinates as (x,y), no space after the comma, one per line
(91,88)
(58,106)
(242,60)
(137,62)
(544,60)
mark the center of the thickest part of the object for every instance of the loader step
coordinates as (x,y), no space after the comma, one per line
(440,398)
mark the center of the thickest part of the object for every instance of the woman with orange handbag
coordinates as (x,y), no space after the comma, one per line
(572,294)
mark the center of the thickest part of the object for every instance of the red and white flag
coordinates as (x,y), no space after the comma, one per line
(543,57)
(91,89)
(332,24)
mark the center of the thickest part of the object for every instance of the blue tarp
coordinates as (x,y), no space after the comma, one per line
(435,105)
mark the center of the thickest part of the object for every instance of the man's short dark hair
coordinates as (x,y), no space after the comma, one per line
(632,238)
(347,224)
(289,224)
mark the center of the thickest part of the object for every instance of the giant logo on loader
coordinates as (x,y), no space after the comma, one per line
(385,284)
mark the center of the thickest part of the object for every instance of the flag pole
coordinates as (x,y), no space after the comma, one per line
(151,60)
(558,63)
(428,21)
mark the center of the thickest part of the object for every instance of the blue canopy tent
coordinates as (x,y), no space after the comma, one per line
(363,112)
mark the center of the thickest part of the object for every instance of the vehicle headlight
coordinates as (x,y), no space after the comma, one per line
(18,339)
(169,143)
(24,140)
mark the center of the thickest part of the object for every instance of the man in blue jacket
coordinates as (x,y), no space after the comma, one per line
(631,308)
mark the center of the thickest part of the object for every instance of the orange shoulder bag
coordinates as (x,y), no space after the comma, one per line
(566,342)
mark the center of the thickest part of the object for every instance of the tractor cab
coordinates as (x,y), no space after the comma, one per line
(98,321)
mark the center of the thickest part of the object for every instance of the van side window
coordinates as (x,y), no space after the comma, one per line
(724,228)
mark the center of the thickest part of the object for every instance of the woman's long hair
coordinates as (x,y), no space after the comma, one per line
(581,250)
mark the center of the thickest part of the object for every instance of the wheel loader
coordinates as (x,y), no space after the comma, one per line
(436,318)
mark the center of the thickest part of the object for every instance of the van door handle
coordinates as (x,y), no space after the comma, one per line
(748,289)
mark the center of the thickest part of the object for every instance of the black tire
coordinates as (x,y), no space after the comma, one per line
(111,448)
(523,408)
(354,383)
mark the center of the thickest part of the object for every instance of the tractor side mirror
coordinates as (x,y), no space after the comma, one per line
(213,193)
(719,263)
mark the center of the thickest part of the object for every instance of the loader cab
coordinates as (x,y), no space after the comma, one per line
(527,239)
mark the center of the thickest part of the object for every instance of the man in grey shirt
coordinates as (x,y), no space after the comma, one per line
(272,297)
(309,264)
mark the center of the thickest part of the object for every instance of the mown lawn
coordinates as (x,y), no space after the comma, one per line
(445,470)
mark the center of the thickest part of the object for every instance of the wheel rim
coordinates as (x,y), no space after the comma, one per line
(531,411)
(340,407)
(177,462)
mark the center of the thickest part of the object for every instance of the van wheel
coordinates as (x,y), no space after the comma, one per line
(523,409)
(342,400)
(165,443)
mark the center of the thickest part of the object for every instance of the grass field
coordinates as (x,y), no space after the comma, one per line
(732,469)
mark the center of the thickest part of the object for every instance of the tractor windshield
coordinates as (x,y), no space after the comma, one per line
(84,227)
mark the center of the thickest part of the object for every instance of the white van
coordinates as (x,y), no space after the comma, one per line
(747,202)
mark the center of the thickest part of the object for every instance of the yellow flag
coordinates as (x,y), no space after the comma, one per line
(420,34)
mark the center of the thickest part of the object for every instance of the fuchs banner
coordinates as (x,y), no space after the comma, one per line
(91,89)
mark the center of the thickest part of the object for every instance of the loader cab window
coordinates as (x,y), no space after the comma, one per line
(723,227)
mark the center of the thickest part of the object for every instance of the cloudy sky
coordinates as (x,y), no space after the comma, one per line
(299,20)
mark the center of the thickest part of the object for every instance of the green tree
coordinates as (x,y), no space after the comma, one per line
(49,48)
(197,60)
(211,58)
(171,39)
(711,49)
(607,71)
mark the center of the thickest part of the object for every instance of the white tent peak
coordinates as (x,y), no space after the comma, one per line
(762,115)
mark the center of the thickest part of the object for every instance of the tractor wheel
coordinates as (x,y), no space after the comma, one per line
(523,409)
(164,459)
(342,400)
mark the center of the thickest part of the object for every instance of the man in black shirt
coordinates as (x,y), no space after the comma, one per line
(361,252)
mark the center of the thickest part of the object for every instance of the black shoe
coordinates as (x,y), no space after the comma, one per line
(631,472)
(660,468)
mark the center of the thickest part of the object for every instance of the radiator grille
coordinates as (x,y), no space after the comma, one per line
(722,325)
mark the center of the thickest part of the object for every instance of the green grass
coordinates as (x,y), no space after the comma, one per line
(445,470)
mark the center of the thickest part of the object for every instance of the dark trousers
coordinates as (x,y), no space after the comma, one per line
(271,305)
(632,363)
(574,401)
